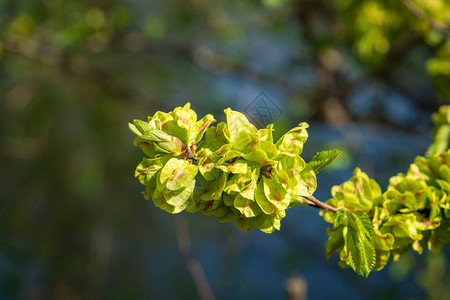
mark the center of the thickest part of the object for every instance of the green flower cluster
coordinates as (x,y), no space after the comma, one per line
(232,171)
(412,213)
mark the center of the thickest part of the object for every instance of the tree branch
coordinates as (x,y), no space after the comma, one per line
(314,202)
(416,10)
(192,264)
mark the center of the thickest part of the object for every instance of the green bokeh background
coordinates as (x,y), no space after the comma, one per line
(73,225)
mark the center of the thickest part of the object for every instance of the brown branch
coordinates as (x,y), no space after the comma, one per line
(416,10)
(314,202)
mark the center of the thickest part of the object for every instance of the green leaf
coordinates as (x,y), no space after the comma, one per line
(207,164)
(179,198)
(143,126)
(220,210)
(140,127)
(357,193)
(276,194)
(260,197)
(171,127)
(246,142)
(160,195)
(358,236)
(177,173)
(237,123)
(249,190)
(238,167)
(227,199)
(340,219)
(147,168)
(213,189)
(292,142)
(148,147)
(185,119)
(440,237)
(335,241)
(265,134)
(216,137)
(323,159)
(382,241)
(157,135)
(230,217)
(249,208)
(404,226)
(162,141)
(304,183)
(200,128)
(259,157)
(270,223)
(210,206)
(237,183)
(229,155)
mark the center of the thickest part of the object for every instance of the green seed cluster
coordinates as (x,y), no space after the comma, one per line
(248,179)
(412,213)
(232,171)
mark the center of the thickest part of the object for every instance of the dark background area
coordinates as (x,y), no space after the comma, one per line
(366,75)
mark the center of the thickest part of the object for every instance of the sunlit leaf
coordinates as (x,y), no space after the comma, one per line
(358,235)
(276,194)
(237,123)
(249,208)
(179,198)
(260,197)
(323,159)
(177,173)
(292,142)
(200,128)
(216,137)
(147,168)
(213,189)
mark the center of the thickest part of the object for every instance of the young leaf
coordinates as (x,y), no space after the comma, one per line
(140,127)
(185,118)
(276,194)
(238,167)
(213,189)
(200,128)
(179,198)
(249,208)
(292,142)
(237,123)
(177,173)
(249,190)
(162,141)
(246,142)
(335,241)
(216,137)
(265,134)
(237,182)
(266,206)
(207,164)
(147,168)
(323,159)
(358,238)
(304,183)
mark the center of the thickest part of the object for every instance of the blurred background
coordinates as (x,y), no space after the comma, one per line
(366,75)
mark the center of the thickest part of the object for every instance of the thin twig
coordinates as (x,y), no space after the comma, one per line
(416,10)
(192,264)
(314,202)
